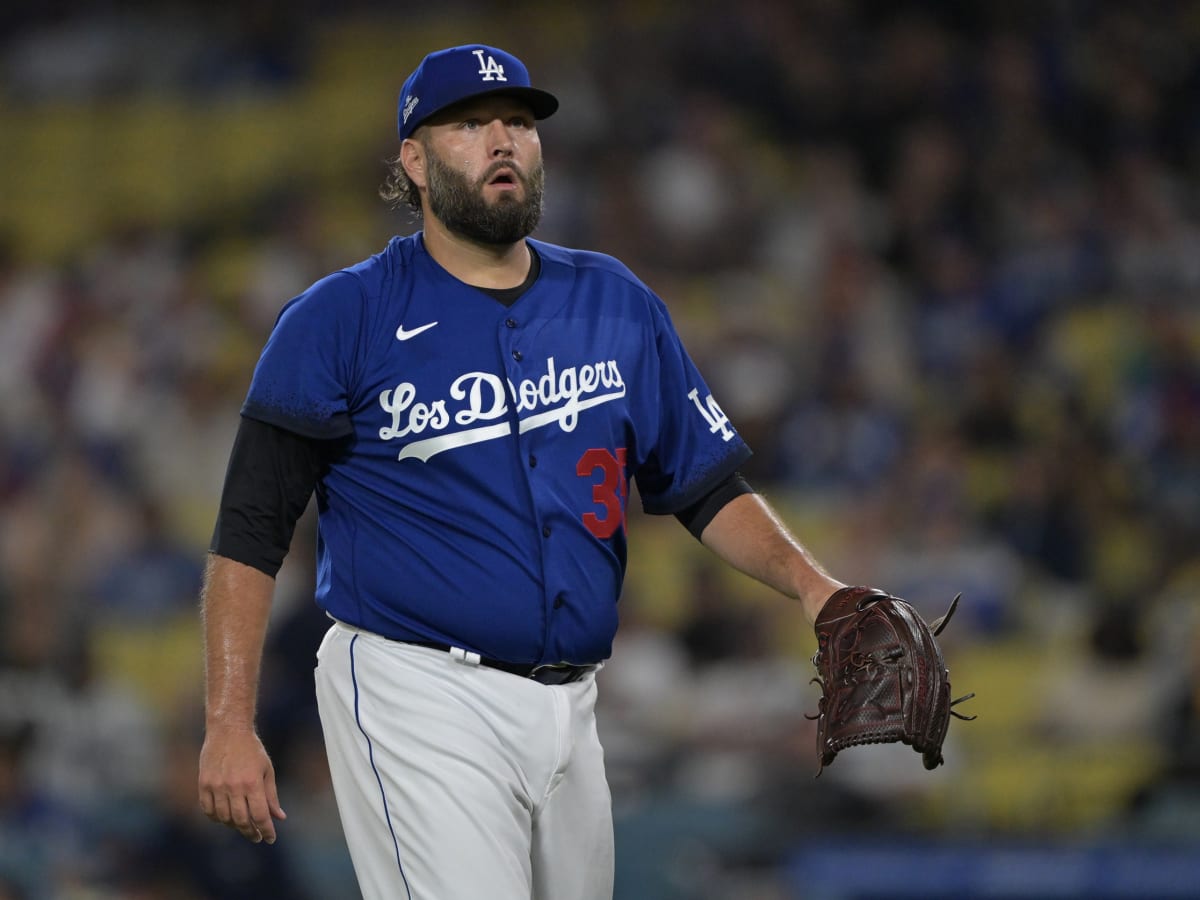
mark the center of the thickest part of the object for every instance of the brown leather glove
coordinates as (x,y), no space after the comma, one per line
(882,676)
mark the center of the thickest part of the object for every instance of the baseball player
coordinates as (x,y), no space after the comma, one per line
(469,406)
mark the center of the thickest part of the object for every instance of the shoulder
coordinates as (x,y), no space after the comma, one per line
(360,282)
(375,272)
(590,264)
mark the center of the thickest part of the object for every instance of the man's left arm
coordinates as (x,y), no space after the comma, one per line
(747,534)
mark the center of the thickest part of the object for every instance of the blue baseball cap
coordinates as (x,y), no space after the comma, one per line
(450,76)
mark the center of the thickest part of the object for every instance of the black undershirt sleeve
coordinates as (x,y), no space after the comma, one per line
(695,518)
(271,477)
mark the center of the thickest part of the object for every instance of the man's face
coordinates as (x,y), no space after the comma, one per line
(484,171)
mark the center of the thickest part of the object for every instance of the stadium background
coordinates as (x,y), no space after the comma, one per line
(939,262)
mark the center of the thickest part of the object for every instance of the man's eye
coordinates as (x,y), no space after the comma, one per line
(470,124)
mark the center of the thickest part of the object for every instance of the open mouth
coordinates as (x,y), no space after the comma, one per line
(505,177)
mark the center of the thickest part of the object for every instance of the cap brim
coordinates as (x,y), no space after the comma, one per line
(542,103)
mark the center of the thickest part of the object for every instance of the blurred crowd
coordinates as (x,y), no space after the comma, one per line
(940,264)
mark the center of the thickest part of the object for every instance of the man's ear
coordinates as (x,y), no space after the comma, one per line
(412,157)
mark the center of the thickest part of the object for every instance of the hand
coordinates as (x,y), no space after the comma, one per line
(237,784)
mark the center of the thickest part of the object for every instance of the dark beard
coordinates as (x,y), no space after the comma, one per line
(459,204)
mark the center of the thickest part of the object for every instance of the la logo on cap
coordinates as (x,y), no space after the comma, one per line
(489,69)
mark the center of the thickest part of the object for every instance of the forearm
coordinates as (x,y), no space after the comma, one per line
(236,608)
(748,535)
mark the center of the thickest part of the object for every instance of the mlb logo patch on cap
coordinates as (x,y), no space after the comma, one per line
(450,76)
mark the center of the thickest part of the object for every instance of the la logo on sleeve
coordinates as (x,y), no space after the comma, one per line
(713,415)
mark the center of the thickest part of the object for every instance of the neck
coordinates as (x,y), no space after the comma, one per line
(479,265)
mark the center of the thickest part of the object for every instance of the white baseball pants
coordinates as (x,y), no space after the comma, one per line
(459,781)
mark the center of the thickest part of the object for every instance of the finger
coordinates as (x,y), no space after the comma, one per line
(260,818)
(243,819)
(221,812)
(273,798)
(207,805)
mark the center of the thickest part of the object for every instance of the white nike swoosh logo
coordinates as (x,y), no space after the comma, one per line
(402,335)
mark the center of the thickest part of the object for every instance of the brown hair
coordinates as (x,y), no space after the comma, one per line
(398,189)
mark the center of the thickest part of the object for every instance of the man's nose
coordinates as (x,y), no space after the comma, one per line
(500,139)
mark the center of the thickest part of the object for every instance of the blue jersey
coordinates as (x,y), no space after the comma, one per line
(480,497)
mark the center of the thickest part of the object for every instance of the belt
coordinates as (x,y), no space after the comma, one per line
(542,673)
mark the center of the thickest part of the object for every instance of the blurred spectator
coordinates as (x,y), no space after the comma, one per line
(97,743)
(940,549)
(155,578)
(1167,807)
(41,843)
(1109,691)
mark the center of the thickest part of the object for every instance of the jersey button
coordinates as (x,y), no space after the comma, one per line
(546,531)
(559,602)
(532,461)
(517,355)
(511,323)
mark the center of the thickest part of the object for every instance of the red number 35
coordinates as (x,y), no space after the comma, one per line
(609,493)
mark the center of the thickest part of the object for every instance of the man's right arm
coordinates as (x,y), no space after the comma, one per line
(237,781)
(271,476)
